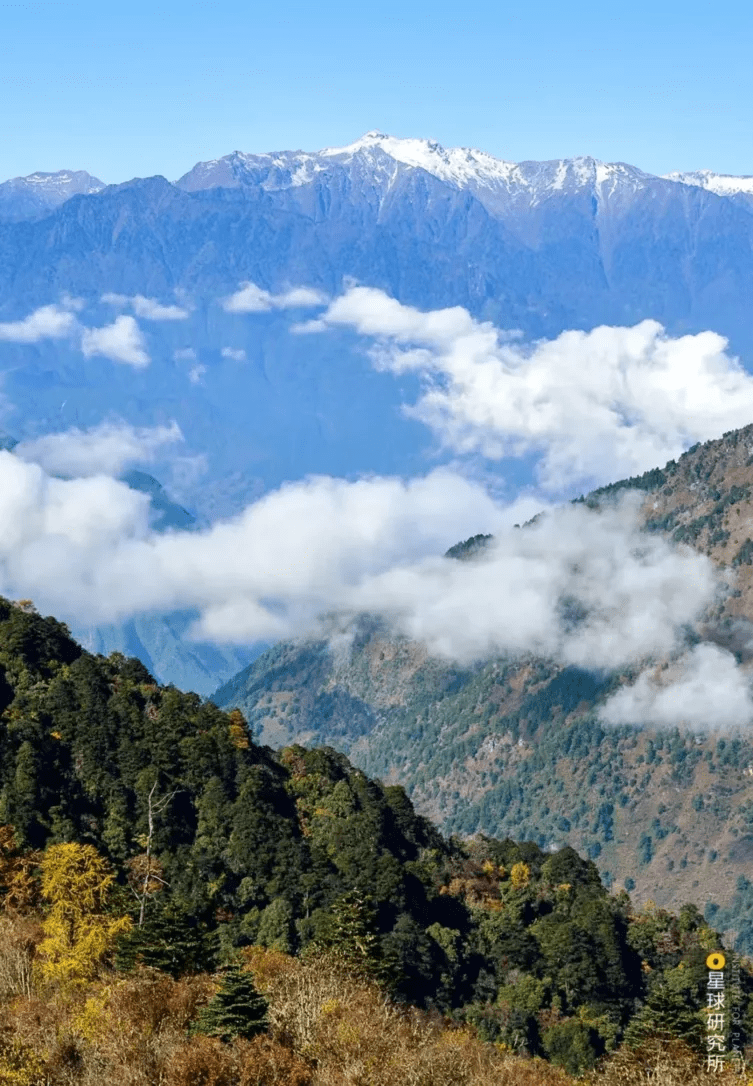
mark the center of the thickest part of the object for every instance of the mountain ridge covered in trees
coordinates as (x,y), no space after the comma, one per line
(515,746)
(217,844)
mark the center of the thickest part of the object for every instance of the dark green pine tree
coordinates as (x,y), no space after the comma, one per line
(354,934)
(170,941)
(237,1010)
(666,1015)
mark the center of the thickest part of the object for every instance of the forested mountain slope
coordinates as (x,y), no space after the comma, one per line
(515,746)
(244,846)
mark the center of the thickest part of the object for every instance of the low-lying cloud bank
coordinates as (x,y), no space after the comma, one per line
(578,586)
(596,406)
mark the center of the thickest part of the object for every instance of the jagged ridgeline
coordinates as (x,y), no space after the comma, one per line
(298,847)
(515,747)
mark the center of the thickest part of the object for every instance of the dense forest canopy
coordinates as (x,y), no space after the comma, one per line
(217,843)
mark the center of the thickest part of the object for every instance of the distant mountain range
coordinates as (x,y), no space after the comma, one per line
(494,181)
(536,247)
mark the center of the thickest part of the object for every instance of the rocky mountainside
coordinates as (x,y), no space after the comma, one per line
(516,746)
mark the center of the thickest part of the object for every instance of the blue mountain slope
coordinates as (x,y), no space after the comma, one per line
(538,257)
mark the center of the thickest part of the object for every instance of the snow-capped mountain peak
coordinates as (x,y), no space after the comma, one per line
(456,165)
(40,193)
(67,182)
(382,157)
(720,183)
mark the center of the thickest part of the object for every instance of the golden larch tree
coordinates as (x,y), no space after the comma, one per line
(75,882)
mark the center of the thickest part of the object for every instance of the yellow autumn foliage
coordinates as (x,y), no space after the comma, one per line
(91,1021)
(520,875)
(75,882)
(20,1066)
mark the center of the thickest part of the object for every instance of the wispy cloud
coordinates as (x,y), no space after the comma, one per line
(234,354)
(121,341)
(107,449)
(253,299)
(147,308)
(47,322)
(705,691)
(595,406)
(578,587)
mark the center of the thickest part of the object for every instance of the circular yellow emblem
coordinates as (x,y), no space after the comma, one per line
(716,961)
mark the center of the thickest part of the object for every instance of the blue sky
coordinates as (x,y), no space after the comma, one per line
(141,88)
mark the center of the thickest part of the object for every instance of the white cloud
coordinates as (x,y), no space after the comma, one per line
(105,449)
(278,565)
(147,308)
(47,322)
(196,373)
(253,299)
(184,354)
(234,354)
(53,528)
(580,587)
(121,341)
(704,691)
(595,406)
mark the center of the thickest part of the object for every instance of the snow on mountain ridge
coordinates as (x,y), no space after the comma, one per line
(719,183)
(79,179)
(456,164)
(40,193)
(384,156)
(462,167)
(70,181)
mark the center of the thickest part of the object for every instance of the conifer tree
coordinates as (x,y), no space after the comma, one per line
(354,934)
(76,882)
(170,941)
(666,1015)
(237,1009)
(18,887)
